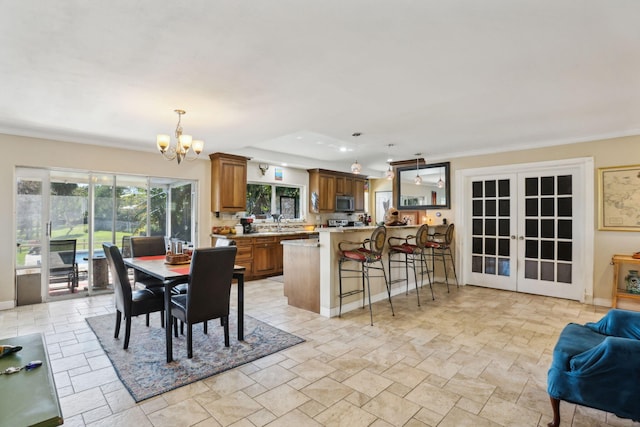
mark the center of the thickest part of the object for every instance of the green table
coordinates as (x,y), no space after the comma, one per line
(28,398)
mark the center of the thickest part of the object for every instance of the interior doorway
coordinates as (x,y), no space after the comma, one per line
(529,228)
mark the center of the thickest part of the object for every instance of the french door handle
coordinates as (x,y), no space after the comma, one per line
(48,229)
(521,238)
(513,237)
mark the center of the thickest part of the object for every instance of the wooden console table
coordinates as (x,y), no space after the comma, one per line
(28,398)
(616,260)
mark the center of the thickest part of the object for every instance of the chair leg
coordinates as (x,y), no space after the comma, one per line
(555,406)
(369,294)
(162,319)
(415,277)
(406,272)
(118,320)
(388,285)
(340,286)
(453,266)
(225,321)
(127,332)
(204,326)
(189,340)
(423,260)
(175,327)
(147,317)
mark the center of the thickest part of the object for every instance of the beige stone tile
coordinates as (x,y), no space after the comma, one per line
(312,369)
(391,408)
(229,382)
(475,389)
(133,417)
(84,401)
(459,418)
(231,408)
(405,374)
(282,399)
(186,412)
(272,376)
(327,391)
(344,414)
(433,398)
(508,414)
(368,383)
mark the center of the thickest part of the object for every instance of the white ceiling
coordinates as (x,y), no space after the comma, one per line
(291,80)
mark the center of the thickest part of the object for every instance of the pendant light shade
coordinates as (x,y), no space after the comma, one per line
(390,174)
(356,167)
(417,180)
(440,183)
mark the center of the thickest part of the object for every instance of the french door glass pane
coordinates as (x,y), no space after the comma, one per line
(28,222)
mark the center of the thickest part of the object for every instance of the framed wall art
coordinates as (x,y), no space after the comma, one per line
(619,198)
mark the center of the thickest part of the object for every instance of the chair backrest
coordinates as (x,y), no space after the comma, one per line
(209,285)
(448,235)
(147,246)
(62,254)
(225,242)
(121,284)
(378,239)
(422,236)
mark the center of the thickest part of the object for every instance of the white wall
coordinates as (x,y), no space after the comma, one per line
(22,151)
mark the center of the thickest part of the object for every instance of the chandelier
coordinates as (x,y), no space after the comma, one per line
(184,144)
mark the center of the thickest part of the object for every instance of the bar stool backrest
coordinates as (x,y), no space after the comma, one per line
(378,239)
(422,236)
(448,236)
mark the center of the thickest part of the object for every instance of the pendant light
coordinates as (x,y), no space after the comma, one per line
(440,183)
(356,167)
(390,174)
(417,180)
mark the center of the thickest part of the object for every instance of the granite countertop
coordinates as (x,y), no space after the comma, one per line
(361,228)
(301,242)
(263,234)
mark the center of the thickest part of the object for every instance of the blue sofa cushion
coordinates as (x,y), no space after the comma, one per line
(595,368)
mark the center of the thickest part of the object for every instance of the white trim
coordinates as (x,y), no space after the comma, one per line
(7,305)
(586,166)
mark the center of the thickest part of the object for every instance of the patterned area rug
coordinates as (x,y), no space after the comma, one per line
(144,370)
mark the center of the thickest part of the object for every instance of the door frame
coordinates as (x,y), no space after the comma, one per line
(462,203)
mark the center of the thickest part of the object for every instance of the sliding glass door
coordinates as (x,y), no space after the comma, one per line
(63,217)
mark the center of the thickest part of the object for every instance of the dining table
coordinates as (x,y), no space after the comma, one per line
(175,274)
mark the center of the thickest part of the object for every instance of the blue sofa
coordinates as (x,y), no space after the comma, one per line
(598,365)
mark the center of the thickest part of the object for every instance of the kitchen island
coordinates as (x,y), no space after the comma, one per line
(329,238)
(301,268)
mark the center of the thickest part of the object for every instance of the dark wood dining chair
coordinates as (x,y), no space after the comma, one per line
(208,292)
(129,302)
(151,246)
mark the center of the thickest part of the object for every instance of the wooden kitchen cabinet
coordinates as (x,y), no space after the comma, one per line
(327,184)
(265,253)
(228,182)
(244,256)
(322,190)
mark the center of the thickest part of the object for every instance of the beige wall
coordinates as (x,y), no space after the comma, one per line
(610,152)
(21,151)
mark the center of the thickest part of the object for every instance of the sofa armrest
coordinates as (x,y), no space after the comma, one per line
(613,357)
(618,323)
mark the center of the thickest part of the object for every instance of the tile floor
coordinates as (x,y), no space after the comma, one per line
(473,357)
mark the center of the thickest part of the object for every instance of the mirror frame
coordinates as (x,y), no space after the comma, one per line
(447,186)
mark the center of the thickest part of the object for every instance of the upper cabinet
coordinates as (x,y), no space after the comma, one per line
(325,185)
(228,182)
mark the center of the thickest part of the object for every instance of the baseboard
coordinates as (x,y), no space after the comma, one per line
(7,305)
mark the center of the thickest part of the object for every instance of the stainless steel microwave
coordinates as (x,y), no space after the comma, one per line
(344,204)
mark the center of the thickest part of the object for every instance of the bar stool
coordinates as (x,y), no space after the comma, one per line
(409,254)
(440,245)
(368,254)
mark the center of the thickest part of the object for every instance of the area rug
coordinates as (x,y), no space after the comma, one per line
(143,368)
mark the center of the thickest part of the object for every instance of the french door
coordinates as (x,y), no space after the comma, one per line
(528,231)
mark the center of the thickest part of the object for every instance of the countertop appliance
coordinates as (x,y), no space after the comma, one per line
(337,222)
(246,225)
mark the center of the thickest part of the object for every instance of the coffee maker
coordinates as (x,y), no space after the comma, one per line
(246,225)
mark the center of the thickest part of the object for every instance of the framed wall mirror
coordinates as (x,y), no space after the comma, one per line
(432,192)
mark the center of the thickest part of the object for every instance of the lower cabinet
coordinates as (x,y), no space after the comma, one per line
(261,256)
(265,254)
